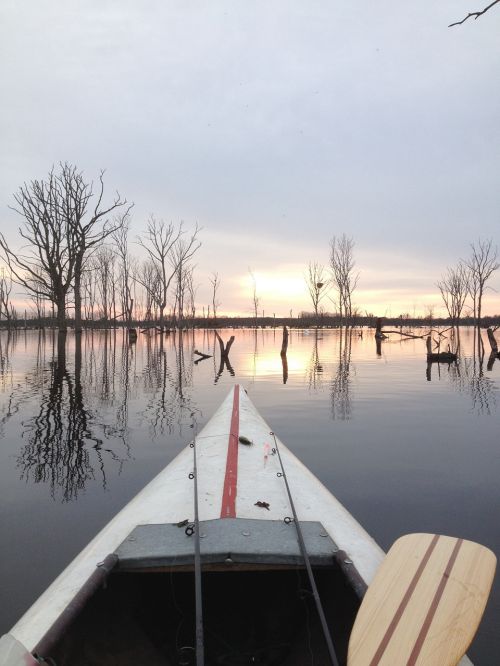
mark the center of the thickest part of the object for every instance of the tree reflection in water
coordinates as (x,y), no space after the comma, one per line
(468,376)
(63,432)
(168,381)
(340,388)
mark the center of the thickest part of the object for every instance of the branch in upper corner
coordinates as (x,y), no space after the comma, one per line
(476,15)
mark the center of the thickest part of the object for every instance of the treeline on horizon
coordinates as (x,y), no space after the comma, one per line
(303,321)
(75,265)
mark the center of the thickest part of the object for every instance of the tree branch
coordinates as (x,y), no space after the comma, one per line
(476,15)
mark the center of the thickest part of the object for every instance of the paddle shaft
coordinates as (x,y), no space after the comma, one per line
(303,550)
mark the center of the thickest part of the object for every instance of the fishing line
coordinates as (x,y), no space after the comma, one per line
(197,566)
(303,550)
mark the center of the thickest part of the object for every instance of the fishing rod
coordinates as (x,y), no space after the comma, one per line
(303,550)
(200,659)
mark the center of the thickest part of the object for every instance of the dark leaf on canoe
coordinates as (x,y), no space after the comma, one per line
(264,505)
(182,523)
(244,440)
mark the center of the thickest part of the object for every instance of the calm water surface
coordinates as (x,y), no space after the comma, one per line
(405,447)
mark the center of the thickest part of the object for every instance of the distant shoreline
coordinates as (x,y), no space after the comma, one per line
(301,322)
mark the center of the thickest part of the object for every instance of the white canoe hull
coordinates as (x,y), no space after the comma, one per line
(231,477)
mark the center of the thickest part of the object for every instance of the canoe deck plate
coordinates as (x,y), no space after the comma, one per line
(242,540)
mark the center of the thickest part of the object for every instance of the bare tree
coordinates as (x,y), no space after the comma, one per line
(482,263)
(45,265)
(149,279)
(161,243)
(181,256)
(344,278)
(88,228)
(103,266)
(127,268)
(255,297)
(454,288)
(317,284)
(59,236)
(215,282)
(5,303)
(475,15)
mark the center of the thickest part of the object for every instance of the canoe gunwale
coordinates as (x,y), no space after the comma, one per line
(76,605)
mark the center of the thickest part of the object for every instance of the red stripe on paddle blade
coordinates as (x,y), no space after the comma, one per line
(404,603)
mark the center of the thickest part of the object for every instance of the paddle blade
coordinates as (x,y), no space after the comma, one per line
(424,604)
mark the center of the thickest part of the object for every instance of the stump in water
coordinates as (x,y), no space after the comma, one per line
(284,343)
(284,360)
(439,357)
(132,335)
(493,342)
(224,350)
(378,330)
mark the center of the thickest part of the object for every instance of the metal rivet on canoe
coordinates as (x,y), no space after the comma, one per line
(131,539)
(246,533)
(202,536)
(347,561)
(228,560)
(323,534)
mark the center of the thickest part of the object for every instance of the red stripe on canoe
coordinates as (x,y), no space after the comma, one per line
(228,509)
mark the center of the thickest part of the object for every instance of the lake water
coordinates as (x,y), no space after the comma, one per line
(406,448)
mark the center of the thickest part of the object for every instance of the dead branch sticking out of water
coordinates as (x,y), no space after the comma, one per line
(224,350)
(201,355)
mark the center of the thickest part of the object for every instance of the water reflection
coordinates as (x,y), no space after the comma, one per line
(82,397)
(467,374)
(60,436)
(165,378)
(340,388)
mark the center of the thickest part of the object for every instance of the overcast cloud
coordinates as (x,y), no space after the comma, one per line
(274,125)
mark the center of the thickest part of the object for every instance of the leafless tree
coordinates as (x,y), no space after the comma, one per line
(127,269)
(103,266)
(163,244)
(45,265)
(317,283)
(149,279)
(89,290)
(482,263)
(215,282)
(181,256)
(5,289)
(60,233)
(255,297)
(344,277)
(88,228)
(454,288)
(476,14)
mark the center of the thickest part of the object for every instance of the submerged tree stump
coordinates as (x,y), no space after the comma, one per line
(438,357)
(493,342)
(224,350)
(379,335)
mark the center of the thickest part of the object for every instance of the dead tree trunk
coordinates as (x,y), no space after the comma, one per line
(284,343)
(224,350)
(493,342)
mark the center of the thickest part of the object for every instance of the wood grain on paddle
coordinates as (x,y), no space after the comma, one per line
(425,603)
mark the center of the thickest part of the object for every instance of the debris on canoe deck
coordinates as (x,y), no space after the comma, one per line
(264,505)
(182,523)
(244,440)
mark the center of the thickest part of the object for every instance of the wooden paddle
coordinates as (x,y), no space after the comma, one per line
(424,604)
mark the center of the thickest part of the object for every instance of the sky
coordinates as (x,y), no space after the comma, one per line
(274,125)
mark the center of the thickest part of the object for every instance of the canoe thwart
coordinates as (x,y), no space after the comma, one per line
(248,541)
